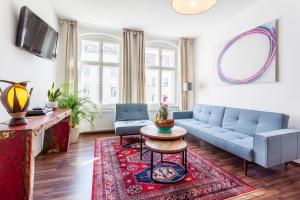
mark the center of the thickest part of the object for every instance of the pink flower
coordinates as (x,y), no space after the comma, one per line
(164,101)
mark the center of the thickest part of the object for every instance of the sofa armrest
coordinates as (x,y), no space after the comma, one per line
(182,114)
(276,147)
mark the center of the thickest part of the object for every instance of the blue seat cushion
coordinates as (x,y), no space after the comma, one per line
(200,129)
(236,143)
(209,114)
(130,127)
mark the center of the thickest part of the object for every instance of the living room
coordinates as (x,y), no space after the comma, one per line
(161,99)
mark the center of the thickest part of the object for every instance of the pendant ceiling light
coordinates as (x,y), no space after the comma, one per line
(192,7)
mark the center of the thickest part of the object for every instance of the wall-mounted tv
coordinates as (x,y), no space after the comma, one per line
(35,35)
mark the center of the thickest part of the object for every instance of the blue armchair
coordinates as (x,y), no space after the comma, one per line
(130,118)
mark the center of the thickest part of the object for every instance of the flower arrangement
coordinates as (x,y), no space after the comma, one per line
(161,121)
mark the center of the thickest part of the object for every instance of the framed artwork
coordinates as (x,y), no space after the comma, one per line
(250,57)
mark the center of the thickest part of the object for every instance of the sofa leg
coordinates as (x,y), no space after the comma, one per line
(121,140)
(292,163)
(246,167)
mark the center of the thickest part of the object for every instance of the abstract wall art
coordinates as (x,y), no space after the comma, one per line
(249,57)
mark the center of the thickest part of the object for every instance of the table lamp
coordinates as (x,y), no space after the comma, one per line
(15,99)
(187,86)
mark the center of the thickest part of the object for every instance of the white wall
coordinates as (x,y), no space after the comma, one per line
(282,96)
(18,65)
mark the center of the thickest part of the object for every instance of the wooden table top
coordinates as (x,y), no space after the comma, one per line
(152,132)
(160,146)
(39,123)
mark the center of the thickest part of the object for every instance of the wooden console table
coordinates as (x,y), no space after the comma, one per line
(17,154)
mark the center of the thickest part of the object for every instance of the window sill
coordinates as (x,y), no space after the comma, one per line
(151,108)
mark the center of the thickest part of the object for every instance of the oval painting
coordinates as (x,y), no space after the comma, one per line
(245,58)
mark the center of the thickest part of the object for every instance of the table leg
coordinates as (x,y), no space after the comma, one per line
(185,160)
(141,147)
(57,137)
(151,171)
(17,165)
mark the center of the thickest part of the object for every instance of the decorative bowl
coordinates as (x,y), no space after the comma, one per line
(165,126)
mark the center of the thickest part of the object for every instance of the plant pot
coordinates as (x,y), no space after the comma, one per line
(52,105)
(74,135)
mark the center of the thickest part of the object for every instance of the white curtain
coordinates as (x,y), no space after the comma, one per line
(133,67)
(186,64)
(67,68)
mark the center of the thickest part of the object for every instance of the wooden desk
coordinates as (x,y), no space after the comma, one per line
(17,154)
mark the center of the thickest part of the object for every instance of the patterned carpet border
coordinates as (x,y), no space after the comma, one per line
(205,179)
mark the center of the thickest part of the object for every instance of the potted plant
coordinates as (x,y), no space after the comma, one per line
(81,107)
(53,95)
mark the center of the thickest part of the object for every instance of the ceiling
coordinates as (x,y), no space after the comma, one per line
(153,16)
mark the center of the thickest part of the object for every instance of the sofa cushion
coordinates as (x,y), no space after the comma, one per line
(125,112)
(251,122)
(130,127)
(192,121)
(236,143)
(271,121)
(195,128)
(209,114)
(248,121)
(231,117)
(200,129)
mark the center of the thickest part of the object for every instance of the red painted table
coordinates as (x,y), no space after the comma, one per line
(17,154)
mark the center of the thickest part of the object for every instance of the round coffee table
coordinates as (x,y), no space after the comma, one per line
(167,174)
(152,132)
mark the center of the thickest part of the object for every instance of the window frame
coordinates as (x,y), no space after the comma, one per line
(162,45)
(101,38)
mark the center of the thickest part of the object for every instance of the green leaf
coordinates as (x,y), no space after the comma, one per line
(82,108)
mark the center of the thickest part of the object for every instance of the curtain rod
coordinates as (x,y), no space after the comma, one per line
(71,21)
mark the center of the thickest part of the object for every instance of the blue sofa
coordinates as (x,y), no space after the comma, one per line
(130,118)
(259,137)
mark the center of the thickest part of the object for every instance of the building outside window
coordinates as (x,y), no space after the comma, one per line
(160,61)
(99,74)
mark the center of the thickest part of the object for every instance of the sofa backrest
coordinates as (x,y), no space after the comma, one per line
(126,112)
(209,114)
(251,121)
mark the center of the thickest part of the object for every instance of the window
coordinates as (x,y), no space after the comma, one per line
(100,68)
(160,61)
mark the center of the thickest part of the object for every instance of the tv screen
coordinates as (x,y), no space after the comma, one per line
(35,35)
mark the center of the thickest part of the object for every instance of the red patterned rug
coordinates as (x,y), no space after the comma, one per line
(119,174)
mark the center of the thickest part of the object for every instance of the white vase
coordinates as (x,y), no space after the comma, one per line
(74,135)
(52,105)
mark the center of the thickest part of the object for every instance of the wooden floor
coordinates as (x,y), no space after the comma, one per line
(68,176)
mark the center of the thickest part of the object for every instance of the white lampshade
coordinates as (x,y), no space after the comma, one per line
(191,7)
(187,86)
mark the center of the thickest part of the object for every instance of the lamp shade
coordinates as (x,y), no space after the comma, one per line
(191,7)
(187,86)
(15,99)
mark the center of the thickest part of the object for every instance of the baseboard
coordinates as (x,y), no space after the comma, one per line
(99,131)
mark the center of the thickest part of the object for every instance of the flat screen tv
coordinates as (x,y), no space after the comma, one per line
(35,35)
